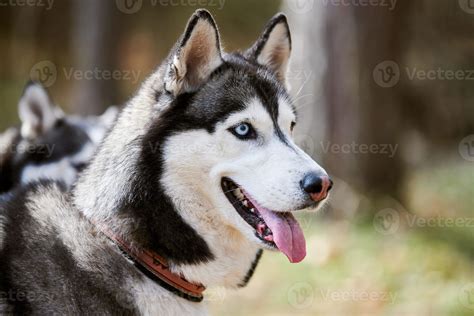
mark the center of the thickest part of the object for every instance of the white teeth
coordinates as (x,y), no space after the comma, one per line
(245,203)
(252,210)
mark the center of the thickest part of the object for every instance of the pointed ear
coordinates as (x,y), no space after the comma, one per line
(36,110)
(196,56)
(273,48)
(7,143)
(108,118)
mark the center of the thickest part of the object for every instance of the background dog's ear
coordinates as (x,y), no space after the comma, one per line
(197,55)
(273,48)
(36,110)
(108,118)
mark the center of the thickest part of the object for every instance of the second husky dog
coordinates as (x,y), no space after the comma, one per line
(198,175)
(48,144)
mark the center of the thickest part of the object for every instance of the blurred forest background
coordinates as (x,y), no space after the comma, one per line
(385,92)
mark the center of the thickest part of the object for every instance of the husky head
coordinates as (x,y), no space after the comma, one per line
(202,159)
(48,145)
(230,137)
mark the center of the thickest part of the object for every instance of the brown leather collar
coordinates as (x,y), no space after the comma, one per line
(156,267)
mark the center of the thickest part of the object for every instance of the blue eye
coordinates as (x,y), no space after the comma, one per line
(244,131)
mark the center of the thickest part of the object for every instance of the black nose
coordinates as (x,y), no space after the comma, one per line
(316,186)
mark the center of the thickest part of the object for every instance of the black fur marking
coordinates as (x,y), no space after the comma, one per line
(65,139)
(251,271)
(161,228)
(269,99)
(268,92)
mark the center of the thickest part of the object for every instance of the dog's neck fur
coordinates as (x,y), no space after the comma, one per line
(107,186)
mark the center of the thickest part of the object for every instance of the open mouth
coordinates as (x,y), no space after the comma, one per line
(278,230)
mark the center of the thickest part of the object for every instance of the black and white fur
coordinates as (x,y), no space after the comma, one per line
(156,180)
(48,144)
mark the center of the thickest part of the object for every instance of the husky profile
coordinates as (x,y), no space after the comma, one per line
(49,144)
(198,175)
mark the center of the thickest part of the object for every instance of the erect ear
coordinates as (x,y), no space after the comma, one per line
(273,48)
(36,110)
(196,56)
(7,143)
(108,118)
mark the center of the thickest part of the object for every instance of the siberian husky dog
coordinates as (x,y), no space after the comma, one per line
(197,176)
(49,144)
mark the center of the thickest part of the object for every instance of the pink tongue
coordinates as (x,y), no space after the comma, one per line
(287,233)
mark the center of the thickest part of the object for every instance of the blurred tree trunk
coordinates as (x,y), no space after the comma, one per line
(341,90)
(355,109)
(94,39)
(381,36)
(306,74)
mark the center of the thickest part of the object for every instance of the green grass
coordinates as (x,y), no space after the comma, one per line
(404,275)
